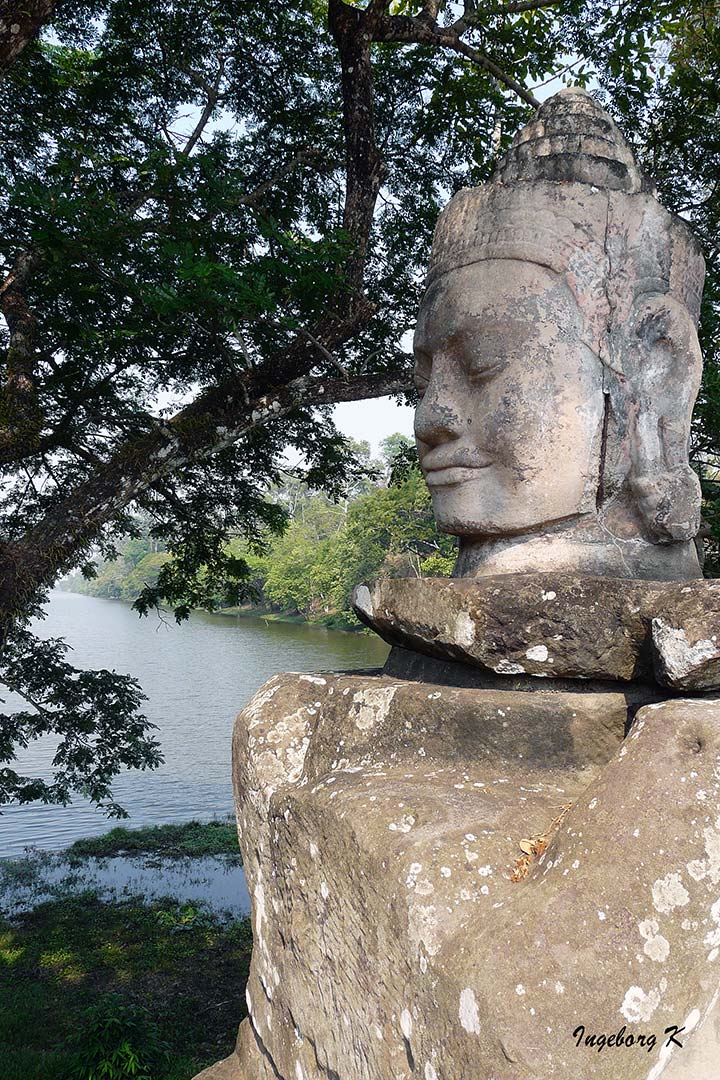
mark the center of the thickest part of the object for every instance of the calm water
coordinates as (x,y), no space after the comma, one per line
(197,676)
(215,882)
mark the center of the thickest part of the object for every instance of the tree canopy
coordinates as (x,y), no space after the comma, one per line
(216,217)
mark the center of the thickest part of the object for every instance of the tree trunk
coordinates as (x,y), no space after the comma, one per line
(20,23)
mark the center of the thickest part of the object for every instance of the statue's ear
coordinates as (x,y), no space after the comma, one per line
(664,368)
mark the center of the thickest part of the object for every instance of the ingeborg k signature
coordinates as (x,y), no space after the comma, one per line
(624,1038)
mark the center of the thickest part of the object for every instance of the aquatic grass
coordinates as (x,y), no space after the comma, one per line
(23,872)
(188,839)
(213,880)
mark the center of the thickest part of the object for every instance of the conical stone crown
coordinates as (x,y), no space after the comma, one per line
(569,195)
(572,139)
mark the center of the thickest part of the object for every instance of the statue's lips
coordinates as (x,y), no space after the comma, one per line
(454,474)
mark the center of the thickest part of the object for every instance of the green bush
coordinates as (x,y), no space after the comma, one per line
(116,1040)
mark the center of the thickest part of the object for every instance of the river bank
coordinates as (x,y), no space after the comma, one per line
(140,936)
(96,969)
(340,622)
(345,622)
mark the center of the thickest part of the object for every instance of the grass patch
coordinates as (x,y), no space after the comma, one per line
(171,980)
(188,839)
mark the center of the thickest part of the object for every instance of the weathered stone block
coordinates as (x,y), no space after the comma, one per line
(381,824)
(556,625)
(686,641)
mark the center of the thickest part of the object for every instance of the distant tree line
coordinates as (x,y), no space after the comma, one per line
(384,527)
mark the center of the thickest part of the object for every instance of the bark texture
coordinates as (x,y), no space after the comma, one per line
(20,23)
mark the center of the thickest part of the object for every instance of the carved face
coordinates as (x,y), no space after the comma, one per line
(509,426)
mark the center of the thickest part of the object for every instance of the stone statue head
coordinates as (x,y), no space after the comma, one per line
(558,362)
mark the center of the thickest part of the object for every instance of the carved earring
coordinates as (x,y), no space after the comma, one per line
(667,365)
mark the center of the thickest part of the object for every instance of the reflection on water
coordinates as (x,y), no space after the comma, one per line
(197,676)
(219,884)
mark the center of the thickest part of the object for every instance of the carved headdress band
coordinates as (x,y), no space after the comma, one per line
(568,195)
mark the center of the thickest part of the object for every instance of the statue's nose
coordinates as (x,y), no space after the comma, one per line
(436,419)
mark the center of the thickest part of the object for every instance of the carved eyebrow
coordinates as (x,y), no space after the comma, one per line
(492,330)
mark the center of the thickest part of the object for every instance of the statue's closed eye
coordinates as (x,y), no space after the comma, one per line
(484,367)
(423,369)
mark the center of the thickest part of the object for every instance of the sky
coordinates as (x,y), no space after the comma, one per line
(372,421)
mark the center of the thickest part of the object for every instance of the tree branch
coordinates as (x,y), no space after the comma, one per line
(472,17)
(353,31)
(253,198)
(418,30)
(430,11)
(213,422)
(484,61)
(212,92)
(19,416)
(326,353)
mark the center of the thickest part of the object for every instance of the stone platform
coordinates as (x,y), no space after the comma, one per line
(499,859)
(446,882)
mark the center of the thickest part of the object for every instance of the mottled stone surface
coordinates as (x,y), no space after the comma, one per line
(380,824)
(686,641)
(229,1069)
(556,626)
(700,1056)
(557,361)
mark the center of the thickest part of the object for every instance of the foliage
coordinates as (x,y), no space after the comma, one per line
(92,714)
(187,839)
(385,529)
(228,207)
(123,578)
(327,551)
(80,975)
(116,1040)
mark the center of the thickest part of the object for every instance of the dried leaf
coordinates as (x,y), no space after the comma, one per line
(521,868)
(536,846)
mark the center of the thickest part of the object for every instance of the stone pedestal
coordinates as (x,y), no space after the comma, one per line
(448,882)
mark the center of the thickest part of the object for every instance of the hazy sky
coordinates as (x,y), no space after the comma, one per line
(371,421)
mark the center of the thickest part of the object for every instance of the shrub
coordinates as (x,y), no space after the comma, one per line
(116,1040)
